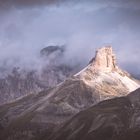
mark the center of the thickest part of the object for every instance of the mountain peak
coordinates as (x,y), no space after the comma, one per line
(104,60)
(102,71)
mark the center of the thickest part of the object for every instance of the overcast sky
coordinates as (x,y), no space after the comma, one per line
(26,26)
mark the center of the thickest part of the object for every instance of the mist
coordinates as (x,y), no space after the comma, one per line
(82,26)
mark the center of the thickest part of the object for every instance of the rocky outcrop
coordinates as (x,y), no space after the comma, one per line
(103,74)
(104,59)
(50,50)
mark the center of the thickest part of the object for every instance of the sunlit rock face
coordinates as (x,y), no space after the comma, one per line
(104,74)
(105,59)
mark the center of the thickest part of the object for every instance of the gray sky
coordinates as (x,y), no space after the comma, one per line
(26,26)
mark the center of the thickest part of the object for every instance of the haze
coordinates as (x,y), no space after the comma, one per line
(28,26)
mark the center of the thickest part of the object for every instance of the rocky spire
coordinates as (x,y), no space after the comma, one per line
(104,59)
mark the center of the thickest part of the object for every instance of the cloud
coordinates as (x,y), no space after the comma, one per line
(6,4)
(82,26)
(26,3)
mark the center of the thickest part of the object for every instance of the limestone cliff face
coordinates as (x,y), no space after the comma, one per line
(104,75)
(105,59)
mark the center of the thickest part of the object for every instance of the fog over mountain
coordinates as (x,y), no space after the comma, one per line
(82,25)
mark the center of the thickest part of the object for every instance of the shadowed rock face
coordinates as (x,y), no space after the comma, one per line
(37,115)
(115,119)
(19,82)
(50,50)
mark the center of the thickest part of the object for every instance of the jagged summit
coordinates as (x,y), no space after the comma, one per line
(104,59)
(103,71)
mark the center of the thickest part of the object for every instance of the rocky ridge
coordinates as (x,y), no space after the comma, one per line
(114,119)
